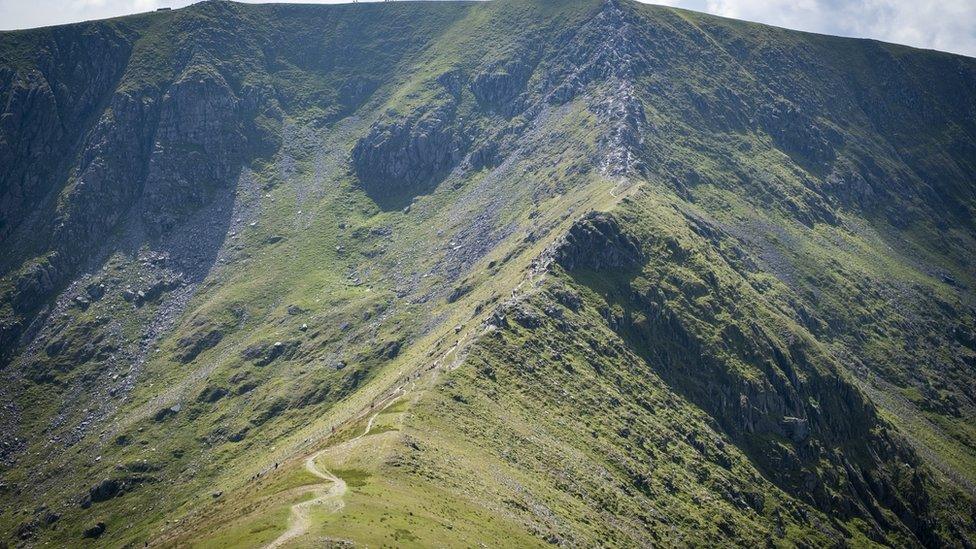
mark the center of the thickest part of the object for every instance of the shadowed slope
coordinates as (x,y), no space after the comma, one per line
(267,219)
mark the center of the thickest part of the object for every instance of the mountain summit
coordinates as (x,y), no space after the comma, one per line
(506,274)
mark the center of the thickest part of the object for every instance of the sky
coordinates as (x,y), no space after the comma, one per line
(948,25)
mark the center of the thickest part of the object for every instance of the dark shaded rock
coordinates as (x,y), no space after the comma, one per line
(113,487)
(198,148)
(526,317)
(390,349)
(485,154)
(279,350)
(105,490)
(597,242)
(252,352)
(238,436)
(497,318)
(356,90)
(501,85)
(202,340)
(263,353)
(212,394)
(37,281)
(50,517)
(453,82)
(797,428)
(459,292)
(55,347)
(949,280)
(156,289)
(798,134)
(567,298)
(46,110)
(849,186)
(27,529)
(166,413)
(95,531)
(95,291)
(118,147)
(405,153)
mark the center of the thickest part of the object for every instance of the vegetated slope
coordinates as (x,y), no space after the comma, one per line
(235,235)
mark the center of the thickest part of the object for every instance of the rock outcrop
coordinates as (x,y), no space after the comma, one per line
(409,151)
(44,111)
(500,86)
(198,148)
(597,242)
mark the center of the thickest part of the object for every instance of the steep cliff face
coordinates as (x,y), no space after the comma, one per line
(589,273)
(54,83)
(199,147)
(134,144)
(410,151)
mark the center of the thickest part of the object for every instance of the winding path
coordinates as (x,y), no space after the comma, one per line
(332,491)
(326,493)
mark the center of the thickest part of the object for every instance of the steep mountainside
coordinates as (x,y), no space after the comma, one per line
(509,273)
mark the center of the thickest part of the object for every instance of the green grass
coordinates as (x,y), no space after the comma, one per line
(354,478)
(603,431)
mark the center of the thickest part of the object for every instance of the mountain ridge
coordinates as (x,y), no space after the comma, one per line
(770,321)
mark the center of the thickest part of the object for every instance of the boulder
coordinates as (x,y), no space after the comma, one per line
(95,531)
(212,394)
(202,340)
(798,429)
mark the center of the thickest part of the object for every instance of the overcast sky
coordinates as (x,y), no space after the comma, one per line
(948,25)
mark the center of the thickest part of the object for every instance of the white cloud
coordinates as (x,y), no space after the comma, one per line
(948,25)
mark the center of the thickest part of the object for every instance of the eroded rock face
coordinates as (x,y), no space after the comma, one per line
(198,148)
(152,157)
(798,134)
(603,48)
(110,173)
(29,128)
(44,110)
(623,115)
(409,151)
(597,242)
(500,85)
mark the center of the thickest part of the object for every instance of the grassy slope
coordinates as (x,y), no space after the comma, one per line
(887,280)
(312,211)
(481,457)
